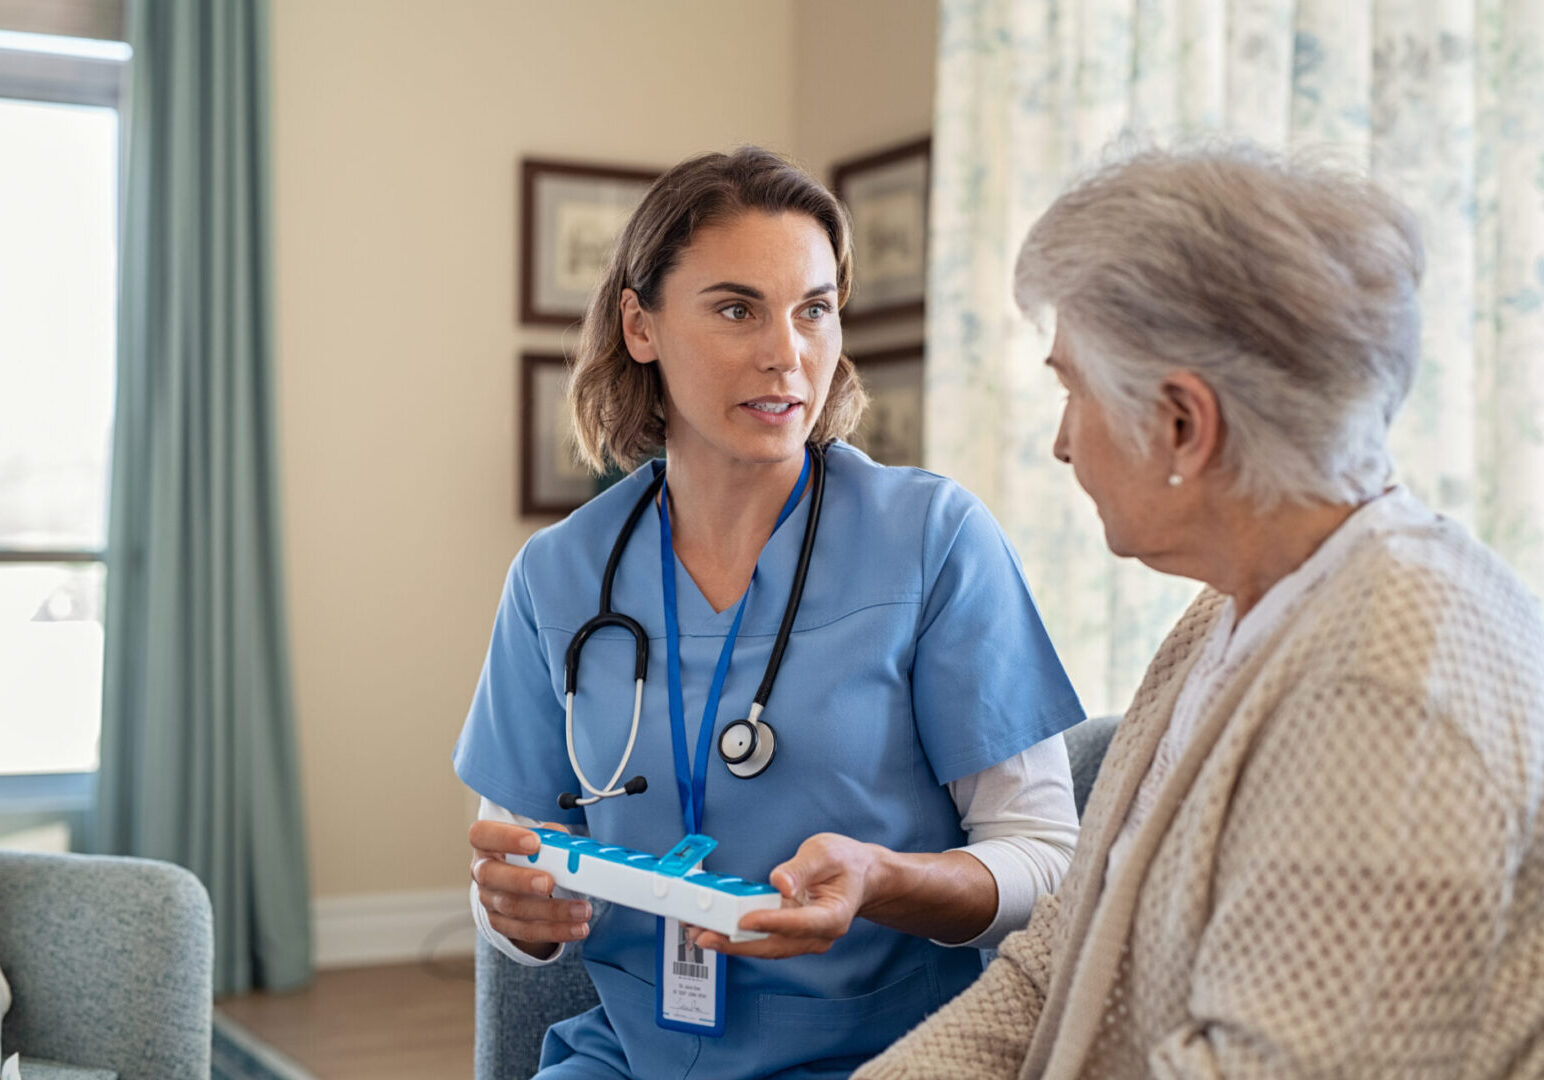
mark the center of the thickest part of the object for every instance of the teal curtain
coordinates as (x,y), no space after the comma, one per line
(198,756)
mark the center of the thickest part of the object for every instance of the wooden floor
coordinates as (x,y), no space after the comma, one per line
(403,1020)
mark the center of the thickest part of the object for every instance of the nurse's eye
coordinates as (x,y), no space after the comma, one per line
(818,310)
(736,312)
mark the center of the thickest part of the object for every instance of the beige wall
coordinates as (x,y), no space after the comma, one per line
(398,127)
(865,83)
(865,77)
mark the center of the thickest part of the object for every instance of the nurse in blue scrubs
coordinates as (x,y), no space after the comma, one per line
(916,801)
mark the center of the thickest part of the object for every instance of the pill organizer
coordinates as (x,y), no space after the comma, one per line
(669,885)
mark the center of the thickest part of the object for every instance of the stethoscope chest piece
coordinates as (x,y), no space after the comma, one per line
(747,747)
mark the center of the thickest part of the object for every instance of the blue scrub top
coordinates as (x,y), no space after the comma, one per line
(917,658)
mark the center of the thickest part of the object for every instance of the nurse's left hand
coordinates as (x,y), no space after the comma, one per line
(824,887)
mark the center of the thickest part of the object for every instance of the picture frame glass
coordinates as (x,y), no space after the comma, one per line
(886,194)
(554,481)
(577,224)
(891,429)
(889,215)
(571,214)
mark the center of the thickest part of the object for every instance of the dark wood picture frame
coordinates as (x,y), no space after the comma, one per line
(552,482)
(891,429)
(570,213)
(887,195)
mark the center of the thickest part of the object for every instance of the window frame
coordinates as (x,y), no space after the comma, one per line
(31,799)
(61,79)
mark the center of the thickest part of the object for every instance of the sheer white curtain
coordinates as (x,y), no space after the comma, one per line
(1441,100)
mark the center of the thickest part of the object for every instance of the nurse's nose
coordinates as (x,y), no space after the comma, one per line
(784,349)
(1059,448)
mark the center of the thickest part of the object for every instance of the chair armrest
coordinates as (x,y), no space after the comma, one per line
(515,1005)
(111,963)
(1086,744)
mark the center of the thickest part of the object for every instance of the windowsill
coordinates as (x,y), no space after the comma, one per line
(47,793)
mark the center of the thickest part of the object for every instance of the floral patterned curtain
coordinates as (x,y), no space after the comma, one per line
(1441,100)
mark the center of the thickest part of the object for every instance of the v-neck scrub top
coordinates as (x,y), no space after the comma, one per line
(917,658)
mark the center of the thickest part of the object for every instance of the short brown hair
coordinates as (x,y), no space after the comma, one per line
(618,404)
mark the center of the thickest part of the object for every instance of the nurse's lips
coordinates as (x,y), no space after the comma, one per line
(773,409)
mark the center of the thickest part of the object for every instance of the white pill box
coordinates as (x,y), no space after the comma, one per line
(669,885)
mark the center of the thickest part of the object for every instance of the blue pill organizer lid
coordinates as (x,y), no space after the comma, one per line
(679,862)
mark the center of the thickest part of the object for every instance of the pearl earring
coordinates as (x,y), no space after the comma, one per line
(1175,479)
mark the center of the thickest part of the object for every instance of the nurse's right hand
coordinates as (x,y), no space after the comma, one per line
(518,898)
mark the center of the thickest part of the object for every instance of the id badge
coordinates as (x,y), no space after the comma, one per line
(689,994)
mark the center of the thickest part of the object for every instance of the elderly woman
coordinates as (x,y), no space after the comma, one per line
(1314,848)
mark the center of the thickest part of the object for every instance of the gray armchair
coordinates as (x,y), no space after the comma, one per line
(111,966)
(515,1004)
(1086,744)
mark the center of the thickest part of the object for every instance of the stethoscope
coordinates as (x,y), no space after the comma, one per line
(745,746)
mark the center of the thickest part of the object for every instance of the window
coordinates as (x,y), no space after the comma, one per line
(59,139)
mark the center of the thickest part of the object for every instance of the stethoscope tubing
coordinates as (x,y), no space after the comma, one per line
(606,616)
(611,789)
(801,573)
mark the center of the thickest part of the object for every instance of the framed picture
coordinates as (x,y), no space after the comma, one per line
(891,431)
(887,195)
(570,215)
(552,480)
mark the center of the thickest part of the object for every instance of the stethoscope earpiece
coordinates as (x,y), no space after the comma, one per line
(570,801)
(747,747)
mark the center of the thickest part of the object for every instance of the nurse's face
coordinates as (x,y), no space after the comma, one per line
(746,336)
(1127,487)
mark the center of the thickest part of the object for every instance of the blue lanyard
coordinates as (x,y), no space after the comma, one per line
(692,783)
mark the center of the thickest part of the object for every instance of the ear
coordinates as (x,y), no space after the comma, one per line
(637,329)
(1192,423)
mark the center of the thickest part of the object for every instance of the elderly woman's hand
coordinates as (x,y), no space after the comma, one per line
(832,880)
(824,887)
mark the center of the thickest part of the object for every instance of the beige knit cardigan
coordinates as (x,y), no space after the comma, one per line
(1343,877)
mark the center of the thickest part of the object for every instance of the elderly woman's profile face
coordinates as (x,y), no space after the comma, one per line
(1126,487)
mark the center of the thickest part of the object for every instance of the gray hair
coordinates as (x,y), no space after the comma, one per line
(1288,286)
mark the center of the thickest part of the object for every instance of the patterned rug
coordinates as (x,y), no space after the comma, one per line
(241,1055)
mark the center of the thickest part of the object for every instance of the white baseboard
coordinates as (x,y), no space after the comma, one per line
(389,928)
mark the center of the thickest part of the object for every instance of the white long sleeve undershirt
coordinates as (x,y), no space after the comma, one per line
(1019,821)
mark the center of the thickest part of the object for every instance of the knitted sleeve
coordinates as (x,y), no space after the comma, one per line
(1362,885)
(985,1031)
